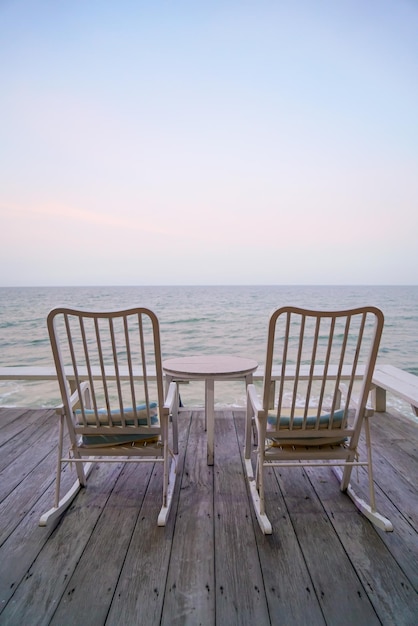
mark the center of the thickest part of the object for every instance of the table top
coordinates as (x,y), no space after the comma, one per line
(205,366)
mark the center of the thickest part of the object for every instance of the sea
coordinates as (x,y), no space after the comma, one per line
(196,320)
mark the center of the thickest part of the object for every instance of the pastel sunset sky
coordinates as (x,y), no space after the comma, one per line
(208,142)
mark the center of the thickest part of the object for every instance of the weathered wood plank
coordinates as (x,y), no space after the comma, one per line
(30,452)
(403,542)
(139,595)
(288,585)
(141,590)
(342,597)
(324,563)
(18,435)
(24,496)
(393,483)
(91,587)
(22,538)
(379,572)
(42,425)
(11,415)
(190,592)
(394,424)
(240,594)
(37,596)
(398,439)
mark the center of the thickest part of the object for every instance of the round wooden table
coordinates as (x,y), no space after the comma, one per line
(209,368)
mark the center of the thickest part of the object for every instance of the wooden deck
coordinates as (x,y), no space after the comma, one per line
(107,562)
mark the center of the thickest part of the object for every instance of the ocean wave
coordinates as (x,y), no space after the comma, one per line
(190,320)
(223,320)
(9,324)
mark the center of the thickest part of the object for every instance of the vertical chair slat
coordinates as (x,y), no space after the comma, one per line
(357,355)
(341,361)
(130,368)
(102,369)
(117,373)
(312,368)
(328,354)
(144,366)
(88,366)
(74,364)
(283,368)
(158,362)
(297,371)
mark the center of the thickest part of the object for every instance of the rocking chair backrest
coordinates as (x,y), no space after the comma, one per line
(116,352)
(315,352)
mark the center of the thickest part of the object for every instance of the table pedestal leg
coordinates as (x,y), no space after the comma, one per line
(210,416)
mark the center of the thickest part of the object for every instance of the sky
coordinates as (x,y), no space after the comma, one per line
(208,142)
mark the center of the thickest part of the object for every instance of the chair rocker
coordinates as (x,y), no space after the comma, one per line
(323,362)
(113,407)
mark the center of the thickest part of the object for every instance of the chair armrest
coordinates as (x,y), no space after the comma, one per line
(75,398)
(254,409)
(253,399)
(170,397)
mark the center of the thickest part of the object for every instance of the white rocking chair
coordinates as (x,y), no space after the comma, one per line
(111,381)
(314,353)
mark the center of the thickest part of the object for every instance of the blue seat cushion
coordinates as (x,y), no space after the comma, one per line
(115,440)
(324,421)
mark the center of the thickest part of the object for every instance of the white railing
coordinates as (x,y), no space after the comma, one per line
(385,378)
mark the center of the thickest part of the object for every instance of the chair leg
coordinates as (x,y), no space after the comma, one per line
(248,428)
(60,445)
(368,510)
(174,420)
(262,518)
(168,491)
(369,463)
(65,501)
(376,518)
(175,434)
